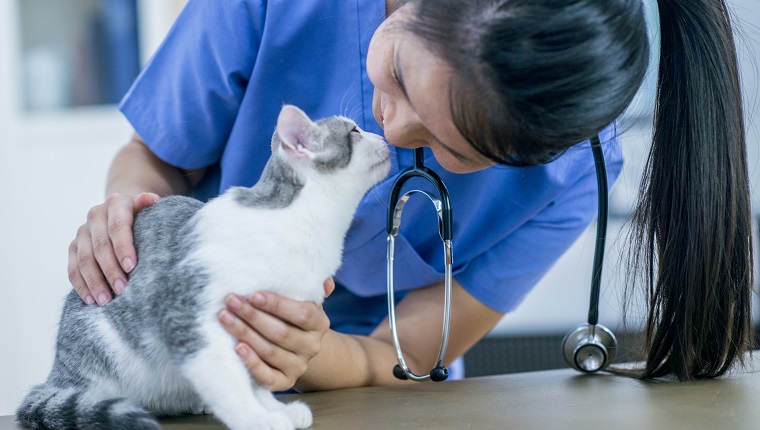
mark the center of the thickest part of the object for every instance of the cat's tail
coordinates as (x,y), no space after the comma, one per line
(49,407)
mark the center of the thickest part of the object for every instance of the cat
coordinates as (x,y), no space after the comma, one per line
(158,348)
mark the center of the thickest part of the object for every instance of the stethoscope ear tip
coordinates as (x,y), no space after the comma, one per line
(440,373)
(399,373)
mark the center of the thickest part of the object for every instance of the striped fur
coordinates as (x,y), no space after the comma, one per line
(157,349)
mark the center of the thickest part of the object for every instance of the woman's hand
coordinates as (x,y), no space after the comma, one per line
(103,251)
(277,336)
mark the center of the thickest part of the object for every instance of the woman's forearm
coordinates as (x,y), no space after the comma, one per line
(346,361)
(136,169)
(350,361)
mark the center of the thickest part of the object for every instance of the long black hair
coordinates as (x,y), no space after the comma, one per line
(693,218)
(535,77)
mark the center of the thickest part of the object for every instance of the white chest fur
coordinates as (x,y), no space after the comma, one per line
(290,251)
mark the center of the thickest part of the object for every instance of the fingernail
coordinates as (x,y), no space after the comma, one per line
(119,286)
(226,318)
(103,299)
(258,299)
(241,350)
(234,302)
(89,299)
(127,264)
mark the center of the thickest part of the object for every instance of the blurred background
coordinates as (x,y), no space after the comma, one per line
(64,65)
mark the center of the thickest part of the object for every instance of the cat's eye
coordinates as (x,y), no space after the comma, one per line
(355,130)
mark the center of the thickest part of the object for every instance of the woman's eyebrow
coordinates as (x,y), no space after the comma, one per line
(397,72)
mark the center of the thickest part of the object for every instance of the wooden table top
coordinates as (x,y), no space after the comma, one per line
(557,399)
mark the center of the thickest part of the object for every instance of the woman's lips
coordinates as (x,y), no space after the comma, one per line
(381,107)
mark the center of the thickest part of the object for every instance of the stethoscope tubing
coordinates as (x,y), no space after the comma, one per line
(584,335)
(443,210)
(601,229)
(419,170)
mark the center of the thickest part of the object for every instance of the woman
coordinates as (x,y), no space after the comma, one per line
(487,86)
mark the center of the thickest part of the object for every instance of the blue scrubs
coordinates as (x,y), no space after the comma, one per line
(210,97)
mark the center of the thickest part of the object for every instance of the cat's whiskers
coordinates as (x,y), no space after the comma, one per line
(378,196)
(344,104)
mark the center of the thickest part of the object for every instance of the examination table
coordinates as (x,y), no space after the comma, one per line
(555,399)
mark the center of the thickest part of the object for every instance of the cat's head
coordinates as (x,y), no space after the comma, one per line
(333,146)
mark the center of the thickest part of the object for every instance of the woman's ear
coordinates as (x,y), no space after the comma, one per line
(298,134)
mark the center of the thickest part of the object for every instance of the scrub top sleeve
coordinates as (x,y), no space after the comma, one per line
(501,277)
(186,100)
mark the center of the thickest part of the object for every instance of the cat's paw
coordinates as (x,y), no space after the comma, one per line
(273,420)
(299,414)
(200,410)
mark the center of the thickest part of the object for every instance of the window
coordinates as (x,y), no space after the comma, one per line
(76,52)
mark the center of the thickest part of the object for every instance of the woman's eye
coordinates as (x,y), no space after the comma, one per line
(394,76)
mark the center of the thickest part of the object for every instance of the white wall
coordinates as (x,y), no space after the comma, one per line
(47,186)
(52,170)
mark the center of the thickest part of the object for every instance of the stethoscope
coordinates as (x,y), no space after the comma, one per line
(589,347)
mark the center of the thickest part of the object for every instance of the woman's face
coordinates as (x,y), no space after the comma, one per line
(411,99)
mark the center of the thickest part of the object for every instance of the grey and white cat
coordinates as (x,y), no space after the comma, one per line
(158,349)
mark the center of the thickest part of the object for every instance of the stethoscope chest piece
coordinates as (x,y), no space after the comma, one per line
(589,348)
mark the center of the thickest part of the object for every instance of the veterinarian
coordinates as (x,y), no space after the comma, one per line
(503,94)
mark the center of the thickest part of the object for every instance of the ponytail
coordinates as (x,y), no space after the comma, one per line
(693,221)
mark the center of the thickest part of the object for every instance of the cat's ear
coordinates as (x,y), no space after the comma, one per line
(299,135)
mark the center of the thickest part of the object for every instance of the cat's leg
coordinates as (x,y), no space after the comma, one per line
(222,381)
(298,412)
